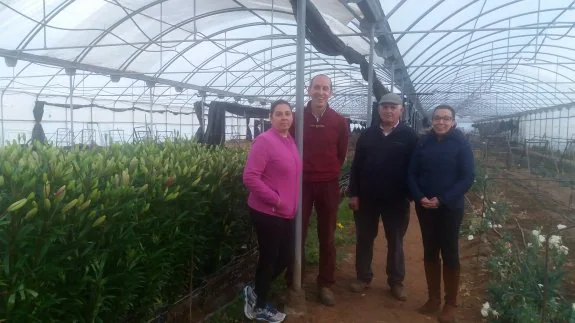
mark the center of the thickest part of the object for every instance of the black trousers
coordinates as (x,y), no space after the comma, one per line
(276,249)
(440,232)
(395,217)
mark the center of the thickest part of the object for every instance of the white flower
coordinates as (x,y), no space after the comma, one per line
(564,250)
(489,225)
(535,232)
(495,313)
(555,241)
(492,209)
(541,238)
(494,202)
(573,306)
(561,227)
(540,285)
(484,312)
(529,244)
(498,226)
(486,306)
(482,197)
(470,237)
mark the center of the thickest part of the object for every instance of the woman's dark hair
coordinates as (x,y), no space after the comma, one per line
(446,107)
(278,102)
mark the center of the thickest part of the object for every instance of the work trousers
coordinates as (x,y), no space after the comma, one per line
(276,248)
(325,197)
(440,233)
(395,217)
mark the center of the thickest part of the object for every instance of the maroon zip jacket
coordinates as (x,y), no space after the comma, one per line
(324,145)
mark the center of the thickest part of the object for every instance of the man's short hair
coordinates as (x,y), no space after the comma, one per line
(313,78)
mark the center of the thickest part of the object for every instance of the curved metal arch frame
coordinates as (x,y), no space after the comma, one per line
(182,23)
(512,87)
(53,14)
(445,73)
(452,15)
(465,34)
(173,59)
(428,73)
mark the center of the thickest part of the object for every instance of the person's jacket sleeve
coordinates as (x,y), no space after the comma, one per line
(255,166)
(465,175)
(413,173)
(355,171)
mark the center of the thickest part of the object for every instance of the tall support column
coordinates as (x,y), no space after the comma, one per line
(71,73)
(202,121)
(150,86)
(370,74)
(300,84)
(392,72)
(2,117)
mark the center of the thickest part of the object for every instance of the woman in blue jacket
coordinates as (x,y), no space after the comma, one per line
(440,173)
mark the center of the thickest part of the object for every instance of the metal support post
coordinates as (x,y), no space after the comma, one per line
(370,74)
(300,84)
(2,117)
(71,72)
(392,72)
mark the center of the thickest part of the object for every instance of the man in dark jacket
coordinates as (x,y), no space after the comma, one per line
(378,188)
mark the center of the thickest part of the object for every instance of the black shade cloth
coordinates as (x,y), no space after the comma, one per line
(38,131)
(324,41)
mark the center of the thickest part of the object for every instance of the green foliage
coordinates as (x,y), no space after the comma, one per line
(518,286)
(103,235)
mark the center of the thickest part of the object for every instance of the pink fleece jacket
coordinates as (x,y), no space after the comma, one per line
(272,174)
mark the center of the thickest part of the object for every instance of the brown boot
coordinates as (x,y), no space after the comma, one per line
(433,277)
(451,281)
(327,297)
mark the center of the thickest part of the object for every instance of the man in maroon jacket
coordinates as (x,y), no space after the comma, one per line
(325,137)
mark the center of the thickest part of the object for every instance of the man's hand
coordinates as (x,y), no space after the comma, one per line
(353,203)
(428,204)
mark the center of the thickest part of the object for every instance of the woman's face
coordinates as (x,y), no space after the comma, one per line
(282,117)
(442,121)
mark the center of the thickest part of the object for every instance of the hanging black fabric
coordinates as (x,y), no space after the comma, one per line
(324,41)
(248,130)
(38,132)
(199,136)
(216,130)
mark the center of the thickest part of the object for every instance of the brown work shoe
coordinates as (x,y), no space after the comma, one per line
(358,286)
(326,296)
(398,292)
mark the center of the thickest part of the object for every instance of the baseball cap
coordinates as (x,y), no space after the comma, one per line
(391,98)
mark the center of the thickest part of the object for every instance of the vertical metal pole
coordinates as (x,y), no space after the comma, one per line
(370,74)
(300,84)
(151,111)
(392,72)
(180,122)
(2,116)
(71,109)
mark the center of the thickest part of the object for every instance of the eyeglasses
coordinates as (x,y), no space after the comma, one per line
(444,118)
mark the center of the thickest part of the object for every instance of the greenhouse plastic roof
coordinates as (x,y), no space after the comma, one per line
(486,58)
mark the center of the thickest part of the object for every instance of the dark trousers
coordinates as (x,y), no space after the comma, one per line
(324,196)
(395,219)
(440,232)
(276,248)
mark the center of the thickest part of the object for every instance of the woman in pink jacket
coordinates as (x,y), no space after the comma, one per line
(272,175)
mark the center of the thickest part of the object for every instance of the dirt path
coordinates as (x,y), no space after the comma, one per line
(376,305)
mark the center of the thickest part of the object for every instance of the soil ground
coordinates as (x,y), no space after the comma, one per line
(376,305)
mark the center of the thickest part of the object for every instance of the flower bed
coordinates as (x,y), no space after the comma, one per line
(105,235)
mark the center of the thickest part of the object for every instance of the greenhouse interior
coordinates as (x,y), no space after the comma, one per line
(124,127)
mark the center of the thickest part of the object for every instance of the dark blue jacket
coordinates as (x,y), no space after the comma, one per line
(442,168)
